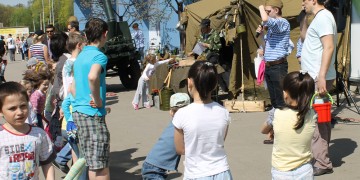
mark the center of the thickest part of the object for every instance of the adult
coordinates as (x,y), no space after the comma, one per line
(73,26)
(318,57)
(11,47)
(50,30)
(2,59)
(60,55)
(38,49)
(138,36)
(210,40)
(89,104)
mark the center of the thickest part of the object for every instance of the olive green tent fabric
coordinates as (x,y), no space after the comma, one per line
(250,17)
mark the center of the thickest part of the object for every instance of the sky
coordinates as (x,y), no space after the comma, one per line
(13,2)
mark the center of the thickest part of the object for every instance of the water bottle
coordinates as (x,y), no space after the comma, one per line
(318,99)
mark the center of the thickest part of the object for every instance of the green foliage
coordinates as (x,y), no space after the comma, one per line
(29,15)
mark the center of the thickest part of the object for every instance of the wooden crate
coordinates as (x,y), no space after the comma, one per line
(244,106)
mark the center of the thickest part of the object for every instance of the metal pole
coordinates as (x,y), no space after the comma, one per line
(34,24)
(52,7)
(41,23)
(49,11)
(43,14)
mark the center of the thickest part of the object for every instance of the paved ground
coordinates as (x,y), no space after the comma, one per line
(134,132)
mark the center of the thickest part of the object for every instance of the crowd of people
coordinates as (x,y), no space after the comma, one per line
(62,95)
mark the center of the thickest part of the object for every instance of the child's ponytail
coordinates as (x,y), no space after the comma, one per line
(300,87)
(204,75)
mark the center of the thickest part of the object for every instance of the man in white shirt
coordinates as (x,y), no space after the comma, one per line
(11,47)
(318,57)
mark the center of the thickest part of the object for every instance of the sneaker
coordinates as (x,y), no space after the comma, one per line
(135,106)
(65,169)
(148,106)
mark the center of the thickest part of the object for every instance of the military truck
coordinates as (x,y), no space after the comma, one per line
(120,50)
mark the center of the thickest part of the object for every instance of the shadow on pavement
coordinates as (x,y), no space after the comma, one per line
(116,88)
(112,100)
(121,161)
(341,148)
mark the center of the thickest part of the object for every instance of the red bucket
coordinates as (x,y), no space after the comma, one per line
(323,111)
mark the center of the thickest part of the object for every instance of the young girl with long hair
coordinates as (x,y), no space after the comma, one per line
(38,97)
(201,127)
(293,128)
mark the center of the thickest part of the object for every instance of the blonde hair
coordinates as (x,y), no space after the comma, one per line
(37,38)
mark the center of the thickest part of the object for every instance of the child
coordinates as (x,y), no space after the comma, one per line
(163,156)
(31,63)
(293,127)
(18,139)
(201,127)
(28,85)
(142,90)
(277,45)
(38,97)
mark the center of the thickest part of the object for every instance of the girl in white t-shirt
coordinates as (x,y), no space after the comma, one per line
(142,91)
(293,128)
(201,127)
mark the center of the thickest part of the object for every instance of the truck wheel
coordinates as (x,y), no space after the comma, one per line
(130,75)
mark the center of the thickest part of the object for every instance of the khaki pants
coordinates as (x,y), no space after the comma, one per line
(320,141)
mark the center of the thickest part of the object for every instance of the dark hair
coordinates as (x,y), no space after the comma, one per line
(58,45)
(300,87)
(74,24)
(94,29)
(11,88)
(322,2)
(49,26)
(204,75)
(135,25)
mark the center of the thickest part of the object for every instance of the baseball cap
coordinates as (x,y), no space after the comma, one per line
(205,22)
(179,100)
(276,3)
(32,61)
(39,32)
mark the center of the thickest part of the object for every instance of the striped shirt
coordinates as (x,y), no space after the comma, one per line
(37,51)
(277,39)
(299,48)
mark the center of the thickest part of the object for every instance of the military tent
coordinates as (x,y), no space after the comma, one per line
(222,11)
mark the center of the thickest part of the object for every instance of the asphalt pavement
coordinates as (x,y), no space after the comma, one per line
(133,133)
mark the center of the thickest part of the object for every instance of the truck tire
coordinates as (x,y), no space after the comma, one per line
(130,74)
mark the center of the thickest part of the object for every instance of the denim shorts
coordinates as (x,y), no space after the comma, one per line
(226,175)
(304,172)
(151,172)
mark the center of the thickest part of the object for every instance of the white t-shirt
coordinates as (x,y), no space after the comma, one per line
(204,127)
(323,24)
(11,43)
(21,155)
(66,75)
(150,69)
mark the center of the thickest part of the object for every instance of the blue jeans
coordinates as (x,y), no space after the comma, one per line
(151,172)
(64,155)
(226,175)
(304,172)
(274,76)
